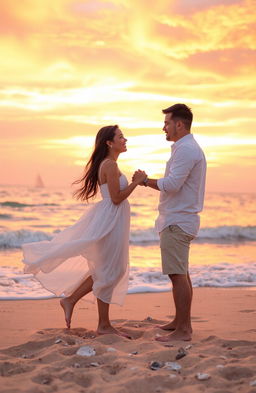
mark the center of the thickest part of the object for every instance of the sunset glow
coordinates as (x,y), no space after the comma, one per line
(69,67)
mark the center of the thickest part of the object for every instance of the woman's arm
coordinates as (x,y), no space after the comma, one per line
(112,177)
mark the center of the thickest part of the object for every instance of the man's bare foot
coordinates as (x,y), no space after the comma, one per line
(111,330)
(168,326)
(171,327)
(175,336)
(68,307)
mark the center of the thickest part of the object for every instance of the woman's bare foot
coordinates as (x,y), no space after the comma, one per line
(111,330)
(175,336)
(68,307)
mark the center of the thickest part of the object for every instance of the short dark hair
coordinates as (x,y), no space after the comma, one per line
(180,112)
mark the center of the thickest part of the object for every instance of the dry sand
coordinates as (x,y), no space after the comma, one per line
(38,355)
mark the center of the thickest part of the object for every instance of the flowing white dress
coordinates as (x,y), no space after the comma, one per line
(97,245)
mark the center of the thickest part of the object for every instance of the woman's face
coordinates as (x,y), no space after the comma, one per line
(119,142)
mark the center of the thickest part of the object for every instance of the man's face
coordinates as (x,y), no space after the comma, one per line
(170,128)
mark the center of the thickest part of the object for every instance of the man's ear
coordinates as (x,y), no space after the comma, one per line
(179,124)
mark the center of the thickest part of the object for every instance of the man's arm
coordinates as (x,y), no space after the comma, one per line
(182,164)
(152,183)
(180,169)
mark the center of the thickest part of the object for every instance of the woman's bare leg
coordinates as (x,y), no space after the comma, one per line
(68,303)
(104,325)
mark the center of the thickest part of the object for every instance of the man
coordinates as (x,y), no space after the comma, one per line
(181,199)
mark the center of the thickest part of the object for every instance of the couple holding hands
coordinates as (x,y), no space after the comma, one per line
(92,256)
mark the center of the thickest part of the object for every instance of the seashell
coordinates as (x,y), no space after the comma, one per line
(154,365)
(149,319)
(86,351)
(203,376)
(24,356)
(172,366)
(172,376)
(59,340)
(188,347)
(220,366)
(94,364)
(181,353)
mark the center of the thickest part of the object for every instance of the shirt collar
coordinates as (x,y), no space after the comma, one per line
(182,140)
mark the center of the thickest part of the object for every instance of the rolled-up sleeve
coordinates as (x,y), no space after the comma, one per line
(160,184)
(183,161)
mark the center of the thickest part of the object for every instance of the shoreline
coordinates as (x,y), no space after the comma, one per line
(54,297)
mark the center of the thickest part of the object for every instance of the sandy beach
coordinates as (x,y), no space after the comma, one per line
(39,355)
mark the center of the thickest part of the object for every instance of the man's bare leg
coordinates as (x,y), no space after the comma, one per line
(68,303)
(104,325)
(191,291)
(170,326)
(182,295)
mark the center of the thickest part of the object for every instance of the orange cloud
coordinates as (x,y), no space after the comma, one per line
(68,67)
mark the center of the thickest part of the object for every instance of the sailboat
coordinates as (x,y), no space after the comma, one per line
(39,182)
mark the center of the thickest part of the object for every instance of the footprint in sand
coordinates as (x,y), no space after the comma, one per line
(235,373)
(42,379)
(7,369)
(114,369)
(79,377)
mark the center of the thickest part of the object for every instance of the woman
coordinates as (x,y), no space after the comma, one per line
(91,255)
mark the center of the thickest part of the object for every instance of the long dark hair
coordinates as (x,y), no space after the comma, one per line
(89,180)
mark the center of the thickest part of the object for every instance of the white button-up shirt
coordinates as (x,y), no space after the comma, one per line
(182,187)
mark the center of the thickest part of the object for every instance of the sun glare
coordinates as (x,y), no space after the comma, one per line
(70,67)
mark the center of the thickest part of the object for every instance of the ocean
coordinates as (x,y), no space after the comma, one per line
(223,254)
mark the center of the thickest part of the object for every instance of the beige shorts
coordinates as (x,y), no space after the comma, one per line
(174,244)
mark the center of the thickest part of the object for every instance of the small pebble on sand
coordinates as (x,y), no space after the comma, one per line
(110,349)
(172,366)
(155,365)
(86,351)
(202,376)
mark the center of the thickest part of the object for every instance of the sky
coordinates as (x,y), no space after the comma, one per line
(70,67)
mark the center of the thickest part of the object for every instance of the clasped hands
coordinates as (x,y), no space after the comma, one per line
(139,177)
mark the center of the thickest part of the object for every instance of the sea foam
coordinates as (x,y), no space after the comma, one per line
(220,234)
(16,285)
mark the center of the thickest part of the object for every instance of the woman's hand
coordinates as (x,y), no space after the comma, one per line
(112,176)
(139,176)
